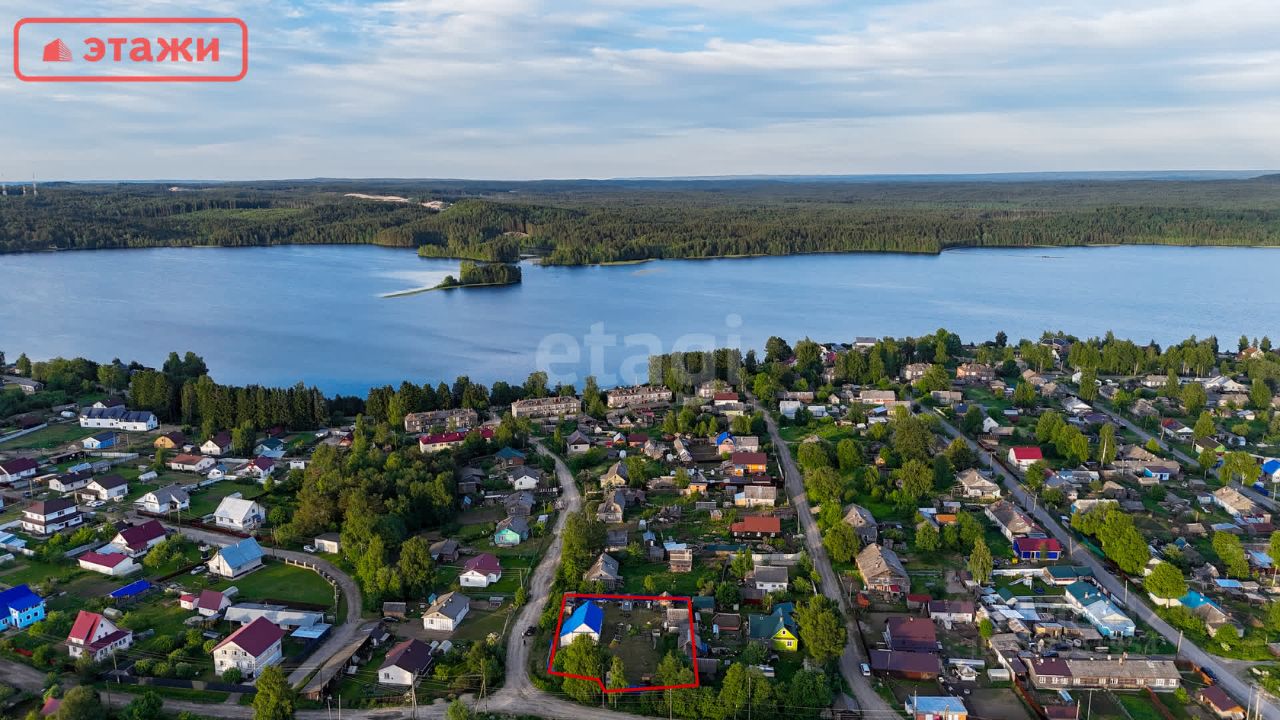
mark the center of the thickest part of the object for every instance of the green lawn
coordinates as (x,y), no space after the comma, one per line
(160,613)
(31,570)
(51,437)
(1138,706)
(278,581)
(205,501)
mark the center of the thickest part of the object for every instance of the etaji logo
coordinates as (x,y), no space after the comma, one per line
(57,51)
(130,49)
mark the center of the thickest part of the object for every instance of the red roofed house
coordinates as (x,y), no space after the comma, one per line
(50,707)
(96,636)
(725,398)
(913,634)
(748,463)
(208,603)
(113,563)
(251,648)
(906,664)
(443,441)
(757,526)
(1024,456)
(262,467)
(137,540)
(482,570)
(1033,549)
(1220,703)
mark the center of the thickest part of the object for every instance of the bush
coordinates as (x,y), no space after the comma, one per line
(232,676)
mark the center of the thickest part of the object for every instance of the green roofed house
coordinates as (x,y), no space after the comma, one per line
(509,456)
(777,629)
(1066,574)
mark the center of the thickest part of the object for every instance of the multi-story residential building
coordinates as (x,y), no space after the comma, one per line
(547,407)
(45,517)
(639,395)
(458,419)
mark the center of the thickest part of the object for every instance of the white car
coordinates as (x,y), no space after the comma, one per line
(309,548)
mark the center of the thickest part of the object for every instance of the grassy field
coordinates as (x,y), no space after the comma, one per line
(50,437)
(278,581)
(478,624)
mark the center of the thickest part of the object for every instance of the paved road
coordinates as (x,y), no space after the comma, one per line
(868,700)
(339,636)
(1238,688)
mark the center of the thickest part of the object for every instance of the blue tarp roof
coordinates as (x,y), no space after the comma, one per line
(133,588)
(722,437)
(1271,466)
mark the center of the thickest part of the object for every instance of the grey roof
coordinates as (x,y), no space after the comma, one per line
(605,567)
(451,605)
(770,574)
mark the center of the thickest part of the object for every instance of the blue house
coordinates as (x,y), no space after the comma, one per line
(101,441)
(1029,549)
(586,620)
(20,607)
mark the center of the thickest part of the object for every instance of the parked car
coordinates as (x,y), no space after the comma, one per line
(866,670)
(309,548)
(198,569)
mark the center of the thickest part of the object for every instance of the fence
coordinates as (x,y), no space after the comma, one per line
(776,558)
(19,433)
(124,678)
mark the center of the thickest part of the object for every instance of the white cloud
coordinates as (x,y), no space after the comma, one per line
(572,88)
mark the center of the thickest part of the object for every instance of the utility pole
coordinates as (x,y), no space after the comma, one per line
(413,693)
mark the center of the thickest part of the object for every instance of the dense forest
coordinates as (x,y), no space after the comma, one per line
(609,221)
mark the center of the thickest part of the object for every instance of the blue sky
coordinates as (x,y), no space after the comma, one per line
(621,88)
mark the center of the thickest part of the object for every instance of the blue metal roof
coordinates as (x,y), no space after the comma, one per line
(133,588)
(19,598)
(1271,466)
(587,614)
(241,553)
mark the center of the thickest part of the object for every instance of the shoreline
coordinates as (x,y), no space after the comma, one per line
(539,259)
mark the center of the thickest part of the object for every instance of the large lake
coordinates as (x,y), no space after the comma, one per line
(318,313)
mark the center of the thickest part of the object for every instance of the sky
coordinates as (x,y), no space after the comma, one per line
(524,89)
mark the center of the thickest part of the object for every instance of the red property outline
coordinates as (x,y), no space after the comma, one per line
(693,645)
(244,54)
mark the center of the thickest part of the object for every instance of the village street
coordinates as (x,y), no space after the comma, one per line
(1130,596)
(869,701)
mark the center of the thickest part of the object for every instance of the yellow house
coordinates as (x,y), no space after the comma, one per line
(170,441)
(777,628)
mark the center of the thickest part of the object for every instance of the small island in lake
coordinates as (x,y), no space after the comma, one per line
(473,274)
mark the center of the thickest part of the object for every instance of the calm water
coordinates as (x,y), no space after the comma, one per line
(317,313)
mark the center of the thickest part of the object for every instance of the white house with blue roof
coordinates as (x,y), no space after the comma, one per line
(20,607)
(586,620)
(1098,609)
(1271,469)
(238,559)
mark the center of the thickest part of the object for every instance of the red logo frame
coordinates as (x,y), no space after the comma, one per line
(244,48)
(693,644)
